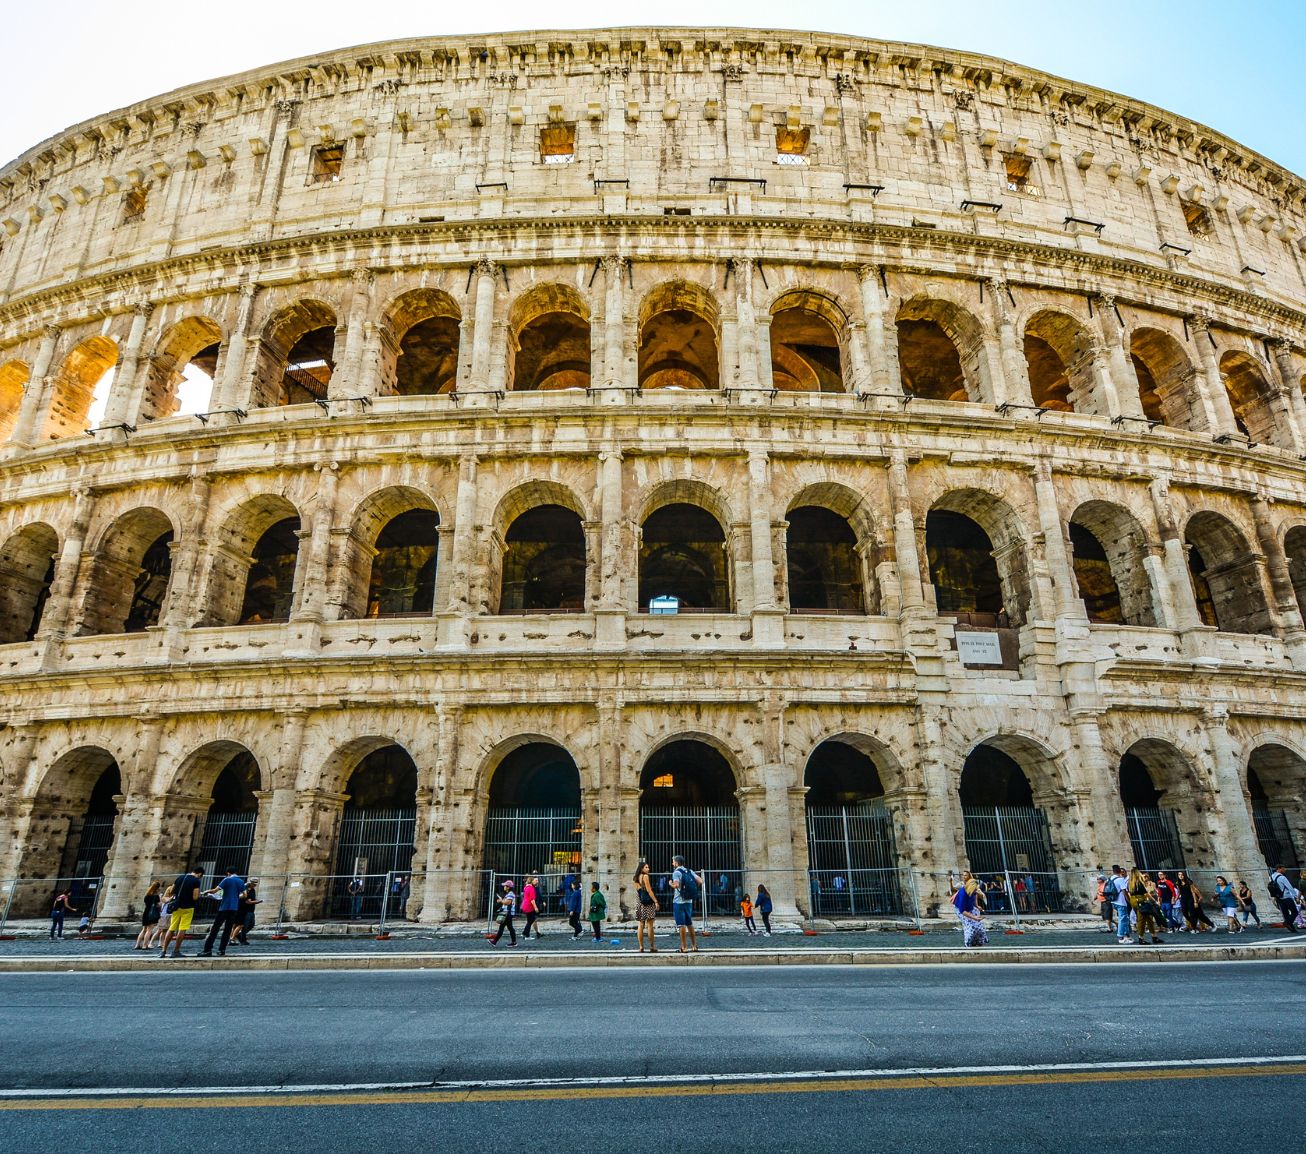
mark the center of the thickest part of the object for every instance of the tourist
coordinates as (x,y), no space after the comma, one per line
(149,916)
(530,906)
(969,911)
(764,908)
(355,890)
(165,913)
(400,884)
(646,907)
(85,926)
(686,884)
(1104,907)
(186,891)
(1190,904)
(1143,899)
(598,910)
(746,911)
(507,902)
(1281,889)
(1229,904)
(1117,889)
(245,912)
(61,908)
(573,902)
(228,892)
(1247,905)
(1169,896)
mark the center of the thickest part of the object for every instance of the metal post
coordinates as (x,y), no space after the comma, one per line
(915,898)
(385,900)
(848,860)
(281,908)
(489,913)
(9,901)
(1006,873)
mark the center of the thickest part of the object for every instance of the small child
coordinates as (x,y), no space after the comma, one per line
(84,926)
(746,908)
(598,910)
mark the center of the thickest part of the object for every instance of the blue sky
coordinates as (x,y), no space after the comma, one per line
(1235,67)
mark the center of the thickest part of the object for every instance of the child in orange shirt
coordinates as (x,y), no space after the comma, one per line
(746,908)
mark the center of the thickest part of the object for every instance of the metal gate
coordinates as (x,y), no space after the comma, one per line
(92,856)
(225,842)
(522,841)
(372,843)
(1154,838)
(852,860)
(1014,840)
(1274,837)
(708,839)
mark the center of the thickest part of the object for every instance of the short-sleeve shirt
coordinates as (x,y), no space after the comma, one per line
(187,890)
(230,887)
(678,876)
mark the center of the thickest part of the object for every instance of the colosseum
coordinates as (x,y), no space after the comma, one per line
(836,460)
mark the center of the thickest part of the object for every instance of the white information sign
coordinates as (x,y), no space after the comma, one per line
(979,648)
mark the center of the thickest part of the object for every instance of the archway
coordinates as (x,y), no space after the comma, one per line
(1166,808)
(939,351)
(1226,576)
(182,370)
(225,838)
(682,555)
(270,582)
(252,573)
(678,327)
(1107,547)
(402,579)
(81,390)
(1059,356)
(1249,397)
(551,340)
(1165,379)
(977,560)
(805,351)
(544,562)
(1276,785)
(687,806)
(851,851)
(1294,547)
(824,569)
(533,821)
(1153,832)
(14,376)
(296,355)
(420,356)
(26,572)
(129,574)
(1008,840)
(378,829)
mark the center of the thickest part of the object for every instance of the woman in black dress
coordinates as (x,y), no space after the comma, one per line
(1190,902)
(149,916)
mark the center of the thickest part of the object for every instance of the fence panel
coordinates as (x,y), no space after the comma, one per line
(1013,842)
(1154,838)
(1275,837)
(708,839)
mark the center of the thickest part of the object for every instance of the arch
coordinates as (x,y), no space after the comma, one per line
(228,774)
(535,774)
(129,574)
(81,388)
(806,353)
(391,555)
(296,355)
(14,376)
(940,349)
(254,563)
(199,773)
(551,347)
(1276,785)
(543,564)
(182,369)
(1107,548)
(378,824)
(824,568)
(1294,548)
(27,561)
(683,554)
(1165,379)
(977,558)
(1059,355)
(420,355)
(842,772)
(679,323)
(1226,576)
(1165,806)
(1250,397)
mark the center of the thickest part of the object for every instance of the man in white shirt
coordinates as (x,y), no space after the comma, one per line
(1286,896)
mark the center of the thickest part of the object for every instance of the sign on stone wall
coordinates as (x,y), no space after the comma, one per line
(979,648)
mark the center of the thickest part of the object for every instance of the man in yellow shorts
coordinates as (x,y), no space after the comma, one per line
(187,889)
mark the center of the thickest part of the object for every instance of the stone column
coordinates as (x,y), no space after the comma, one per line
(782,821)
(15,807)
(616,269)
(1292,402)
(1056,545)
(277,809)
(1188,620)
(1287,610)
(879,376)
(1124,380)
(483,327)
(128,870)
(315,822)
(456,611)
(345,380)
(35,404)
(232,391)
(911,588)
(124,405)
(608,848)
(58,607)
(313,588)
(610,612)
(1209,383)
(434,902)
(181,611)
(1234,834)
(1015,387)
(768,616)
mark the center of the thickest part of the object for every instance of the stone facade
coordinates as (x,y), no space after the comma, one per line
(753,274)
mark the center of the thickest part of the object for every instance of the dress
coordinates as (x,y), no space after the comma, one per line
(646,909)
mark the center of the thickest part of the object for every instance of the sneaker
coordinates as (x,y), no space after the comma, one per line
(206,953)
(1125,941)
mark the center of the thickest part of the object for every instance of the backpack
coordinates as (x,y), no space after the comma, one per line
(688,884)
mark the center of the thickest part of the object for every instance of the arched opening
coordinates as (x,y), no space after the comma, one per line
(533,821)
(1249,397)
(1107,548)
(420,358)
(378,829)
(687,806)
(551,340)
(296,356)
(805,352)
(851,852)
(1165,808)
(1294,547)
(1226,576)
(81,390)
(1165,379)
(182,370)
(129,575)
(13,381)
(402,580)
(225,839)
(977,561)
(270,582)
(1007,836)
(544,562)
(824,569)
(1276,785)
(678,339)
(939,351)
(1059,356)
(26,573)
(682,554)
(1153,832)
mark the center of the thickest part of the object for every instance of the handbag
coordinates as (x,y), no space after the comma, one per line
(501,918)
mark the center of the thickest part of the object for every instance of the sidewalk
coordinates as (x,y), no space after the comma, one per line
(416,948)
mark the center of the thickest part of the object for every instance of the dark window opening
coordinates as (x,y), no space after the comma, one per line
(1097,584)
(269,586)
(403,569)
(683,554)
(824,568)
(326,161)
(151,586)
(544,562)
(962,568)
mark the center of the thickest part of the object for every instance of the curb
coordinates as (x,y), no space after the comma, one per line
(1040,955)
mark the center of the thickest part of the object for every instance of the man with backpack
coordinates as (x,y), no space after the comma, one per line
(1116,890)
(1281,890)
(687,885)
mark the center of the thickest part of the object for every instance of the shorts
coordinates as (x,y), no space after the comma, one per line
(683,912)
(180,921)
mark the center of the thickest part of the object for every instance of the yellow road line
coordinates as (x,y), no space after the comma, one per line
(440,1097)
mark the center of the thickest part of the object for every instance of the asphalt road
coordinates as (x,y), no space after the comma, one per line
(683,1037)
